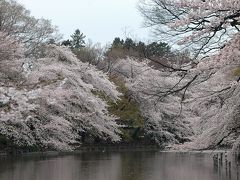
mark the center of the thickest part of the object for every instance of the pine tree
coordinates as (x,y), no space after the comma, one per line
(77,39)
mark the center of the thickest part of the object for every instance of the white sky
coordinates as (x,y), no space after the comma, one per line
(99,20)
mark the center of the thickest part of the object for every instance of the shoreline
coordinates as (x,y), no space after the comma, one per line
(107,149)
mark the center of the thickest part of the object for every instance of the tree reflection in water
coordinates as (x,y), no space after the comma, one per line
(121,166)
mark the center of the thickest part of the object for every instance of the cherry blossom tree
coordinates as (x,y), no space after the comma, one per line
(166,121)
(9,48)
(210,30)
(203,26)
(16,21)
(53,105)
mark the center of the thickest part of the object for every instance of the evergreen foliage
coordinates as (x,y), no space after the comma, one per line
(77,41)
(129,47)
(127,110)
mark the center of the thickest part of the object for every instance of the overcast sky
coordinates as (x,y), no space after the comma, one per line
(99,20)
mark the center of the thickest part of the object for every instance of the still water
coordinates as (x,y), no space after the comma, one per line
(118,166)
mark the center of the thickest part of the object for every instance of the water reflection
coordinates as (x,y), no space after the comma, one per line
(228,165)
(121,166)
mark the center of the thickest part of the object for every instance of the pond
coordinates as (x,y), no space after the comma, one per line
(119,166)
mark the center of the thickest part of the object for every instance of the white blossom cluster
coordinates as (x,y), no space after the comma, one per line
(53,101)
(208,116)
(165,124)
